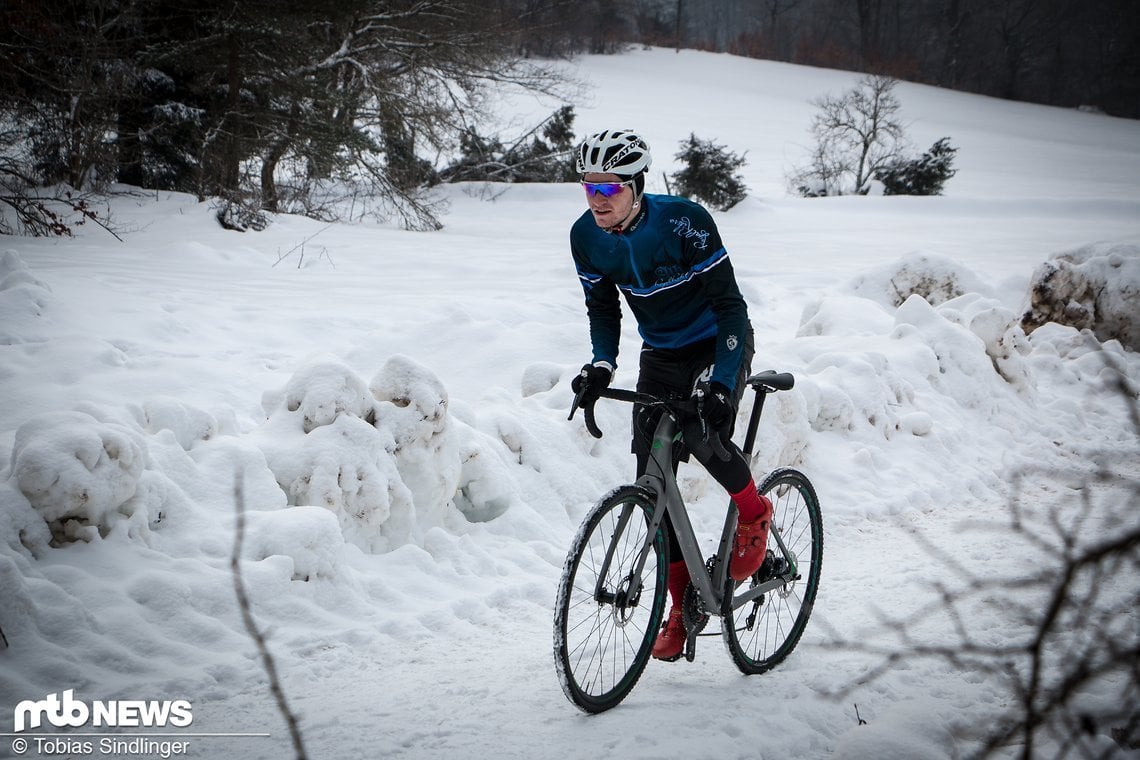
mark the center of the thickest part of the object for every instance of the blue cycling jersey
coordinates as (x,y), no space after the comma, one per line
(675,275)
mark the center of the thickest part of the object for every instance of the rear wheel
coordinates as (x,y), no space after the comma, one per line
(761,632)
(606,617)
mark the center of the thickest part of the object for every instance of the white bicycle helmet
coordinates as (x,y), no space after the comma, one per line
(614,151)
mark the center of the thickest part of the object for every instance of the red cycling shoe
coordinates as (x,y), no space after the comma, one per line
(671,641)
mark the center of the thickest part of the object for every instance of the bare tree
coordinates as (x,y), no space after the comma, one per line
(856,135)
(1073,603)
(262,105)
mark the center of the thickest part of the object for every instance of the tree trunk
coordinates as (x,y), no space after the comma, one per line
(952,62)
(268,166)
(868,14)
(678,27)
(229,175)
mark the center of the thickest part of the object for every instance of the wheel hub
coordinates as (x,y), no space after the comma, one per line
(624,605)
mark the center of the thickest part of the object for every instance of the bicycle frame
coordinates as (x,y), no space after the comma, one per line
(606,626)
(660,481)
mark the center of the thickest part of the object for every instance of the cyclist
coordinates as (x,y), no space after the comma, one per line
(664,254)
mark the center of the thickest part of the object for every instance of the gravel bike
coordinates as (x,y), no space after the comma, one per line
(612,594)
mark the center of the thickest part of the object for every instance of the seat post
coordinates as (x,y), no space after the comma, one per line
(754,420)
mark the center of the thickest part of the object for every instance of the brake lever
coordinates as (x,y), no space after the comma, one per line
(718,447)
(587,412)
(577,402)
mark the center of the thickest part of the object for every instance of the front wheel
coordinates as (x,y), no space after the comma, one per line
(608,612)
(763,630)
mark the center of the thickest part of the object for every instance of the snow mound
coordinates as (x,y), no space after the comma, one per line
(325,390)
(413,405)
(968,349)
(485,488)
(24,298)
(309,537)
(381,455)
(188,424)
(1095,288)
(540,377)
(84,476)
(935,277)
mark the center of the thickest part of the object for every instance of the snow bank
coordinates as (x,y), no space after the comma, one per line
(1096,287)
(83,475)
(880,382)
(935,277)
(945,377)
(24,298)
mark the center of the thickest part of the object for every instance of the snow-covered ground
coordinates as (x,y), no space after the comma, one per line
(394,404)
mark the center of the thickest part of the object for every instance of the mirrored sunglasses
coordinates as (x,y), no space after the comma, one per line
(605,189)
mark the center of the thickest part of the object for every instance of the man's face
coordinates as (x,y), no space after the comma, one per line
(608,211)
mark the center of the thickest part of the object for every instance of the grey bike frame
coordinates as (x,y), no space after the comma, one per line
(660,481)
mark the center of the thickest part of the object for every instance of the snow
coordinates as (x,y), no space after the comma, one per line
(387,413)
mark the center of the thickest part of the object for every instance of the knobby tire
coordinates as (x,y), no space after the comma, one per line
(601,648)
(761,635)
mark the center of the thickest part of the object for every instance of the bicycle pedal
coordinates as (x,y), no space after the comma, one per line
(692,630)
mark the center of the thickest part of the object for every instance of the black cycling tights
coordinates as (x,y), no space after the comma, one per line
(675,372)
(733,475)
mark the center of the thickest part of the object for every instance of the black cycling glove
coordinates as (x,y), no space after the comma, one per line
(716,409)
(590,382)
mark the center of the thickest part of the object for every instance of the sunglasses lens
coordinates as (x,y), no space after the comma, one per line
(606,189)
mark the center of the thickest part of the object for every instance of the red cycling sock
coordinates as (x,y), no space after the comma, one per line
(751,505)
(678,580)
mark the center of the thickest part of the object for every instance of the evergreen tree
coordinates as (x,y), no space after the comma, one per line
(710,174)
(924,175)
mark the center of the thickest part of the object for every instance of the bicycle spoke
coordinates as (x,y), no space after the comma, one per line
(603,640)
(773,628)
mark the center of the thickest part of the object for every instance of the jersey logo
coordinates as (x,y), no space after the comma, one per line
(731,343)
(667,273)
(683,228)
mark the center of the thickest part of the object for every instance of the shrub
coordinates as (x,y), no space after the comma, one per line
(710,174)
(924,175)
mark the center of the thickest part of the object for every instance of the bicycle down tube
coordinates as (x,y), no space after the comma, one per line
(668,497)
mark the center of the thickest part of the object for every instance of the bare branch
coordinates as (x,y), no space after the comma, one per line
(251,625)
